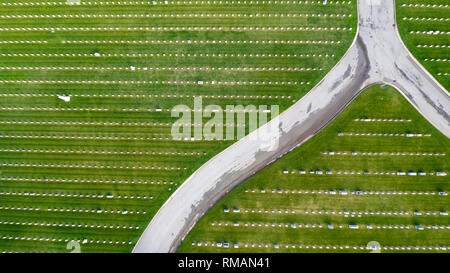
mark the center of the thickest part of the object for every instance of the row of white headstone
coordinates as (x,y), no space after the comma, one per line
(178,82)
(52,109)
(384,134)
(95,211)
(390,213)
(150,96)
(72,195)
(166,2)
(382,120)
(206,42)
(333,192)
(430,32)
(19,208)
(425,5)
(318,226)
(89,166)
(55,224)
(23,42)
(134,68)
(48,239)
(433,46)
(80,180)
(425,19)
(383,153)
(306,246)
(31,136)
(339,172)
(183,28)
(103,152)
(436,60)
(336,212)
(74,123)
(237,55)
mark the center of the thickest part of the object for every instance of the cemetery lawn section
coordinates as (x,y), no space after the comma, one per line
(378,172)
(86,93)
(425,29)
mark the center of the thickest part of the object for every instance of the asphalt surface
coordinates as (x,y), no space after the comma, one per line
(377,55)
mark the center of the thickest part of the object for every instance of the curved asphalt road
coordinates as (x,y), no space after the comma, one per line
(377,55)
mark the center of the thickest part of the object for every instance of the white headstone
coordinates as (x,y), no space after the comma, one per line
(64,98)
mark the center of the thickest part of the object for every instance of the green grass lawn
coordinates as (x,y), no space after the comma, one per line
(50,171)
(272,195)
(434,30)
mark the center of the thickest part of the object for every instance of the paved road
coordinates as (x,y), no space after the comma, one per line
(377,55)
